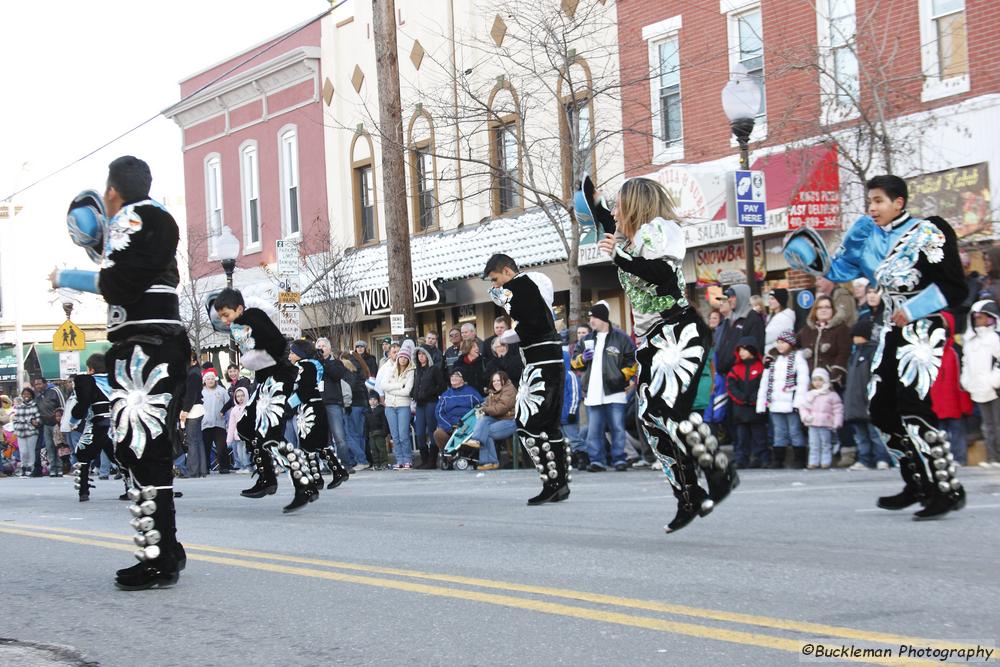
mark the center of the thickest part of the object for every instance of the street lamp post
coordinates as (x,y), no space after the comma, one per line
(741,99)
(227,248)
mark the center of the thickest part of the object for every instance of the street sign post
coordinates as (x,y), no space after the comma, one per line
(747,206)
(69,364)
(287,254)
(69,338)
(396,325)
(289,312)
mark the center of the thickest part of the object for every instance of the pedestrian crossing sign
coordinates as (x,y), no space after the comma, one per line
(69,338)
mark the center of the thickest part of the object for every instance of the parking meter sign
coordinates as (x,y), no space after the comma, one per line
(750,198)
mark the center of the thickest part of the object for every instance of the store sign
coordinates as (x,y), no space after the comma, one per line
(726,264)
(289,314)
(961,196)
(817,204)
(287,253)
(719,231)
(376,301)
(591,254)
(8,368)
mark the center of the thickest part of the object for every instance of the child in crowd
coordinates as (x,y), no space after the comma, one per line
(26,427)
(981,372)
(377,428)
(784,385)
(823,412)
(242,460)
(872,452)
(743,387)
(61,464)
(213,425)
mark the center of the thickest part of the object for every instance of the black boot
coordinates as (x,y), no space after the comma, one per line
(941,504)
(721,481)
(305,492)
(692,502)
(158,551)
(338,472)
(946,493)
(703,449)
(267,483)
(800,457)
(552,460)
(777,458)
(432,458)
(82,482)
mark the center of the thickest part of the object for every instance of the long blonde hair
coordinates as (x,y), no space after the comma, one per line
(639,201)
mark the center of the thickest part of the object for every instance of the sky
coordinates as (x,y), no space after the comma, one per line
(75,75)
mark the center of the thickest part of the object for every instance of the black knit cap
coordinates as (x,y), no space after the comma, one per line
(304,349)
(600,311)
(862,328)
(780,295)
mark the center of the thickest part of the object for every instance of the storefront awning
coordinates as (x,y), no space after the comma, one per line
(805,182)
(41,358)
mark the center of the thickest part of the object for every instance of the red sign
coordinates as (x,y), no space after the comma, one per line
(817,202)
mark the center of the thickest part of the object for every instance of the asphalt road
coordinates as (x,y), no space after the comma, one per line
(452,568)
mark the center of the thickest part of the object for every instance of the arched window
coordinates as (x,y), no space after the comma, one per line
(250,193)
(504,123)
(363,179)
(423,172)
(576,124)
(288,159)
(213,200)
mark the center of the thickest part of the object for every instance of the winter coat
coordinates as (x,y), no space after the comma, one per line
(822,408)
(428,383)
(859,372)
(333,373)
(509,363)
(743,322)
(359,392)
(500,404)
(742,387)
(213,399)
(777,324)
(618,356)
(703,397)
(375,421)
(236,414)
(455,404)
(473,372)
(26,419)
(192,389)
(981,364)
(827,347)
(948,400)
(48,402)
(786,390)
(845,306)
(398,386)
(571,396)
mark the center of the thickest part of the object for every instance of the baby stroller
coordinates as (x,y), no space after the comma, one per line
(456,456)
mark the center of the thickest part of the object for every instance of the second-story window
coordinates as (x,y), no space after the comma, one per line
(669,79)
(948,17)
(289,158)
(507,166)
(423,166)
(213,200)
(250,175)
(366,202)
(750,49)
(579,124)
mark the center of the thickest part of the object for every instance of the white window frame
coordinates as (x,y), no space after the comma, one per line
(213,183)
(733,9)
(654,35)
(289,177)
(250,185)
(935,87)
(831,111)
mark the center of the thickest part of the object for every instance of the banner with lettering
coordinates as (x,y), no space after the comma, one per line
(726,264)
(961,196)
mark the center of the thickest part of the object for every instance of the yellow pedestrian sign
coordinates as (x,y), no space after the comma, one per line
(69,338)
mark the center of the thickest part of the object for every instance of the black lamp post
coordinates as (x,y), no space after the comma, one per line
(741,101)
(227,248)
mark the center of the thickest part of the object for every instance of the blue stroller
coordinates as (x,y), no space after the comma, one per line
(456,456)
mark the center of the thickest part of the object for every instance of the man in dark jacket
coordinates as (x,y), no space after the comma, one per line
(333,398)
(48,399)
(743,322)
(608,359)
(453,352)
(431,345)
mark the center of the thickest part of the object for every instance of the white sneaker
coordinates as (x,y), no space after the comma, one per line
(641,463)
(858,465)
(881,465)
(656,465)
(985,464)
(995,464)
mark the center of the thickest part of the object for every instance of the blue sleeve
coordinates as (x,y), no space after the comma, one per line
(925,302)
(846,264)
(78,279)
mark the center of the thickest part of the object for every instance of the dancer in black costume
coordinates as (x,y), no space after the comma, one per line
(649,254)
(527,298)
(90,405)
(138,278)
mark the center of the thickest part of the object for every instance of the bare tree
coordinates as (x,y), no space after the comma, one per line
(194,288)
(329,287)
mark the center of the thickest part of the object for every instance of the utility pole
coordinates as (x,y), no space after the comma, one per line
(397,228)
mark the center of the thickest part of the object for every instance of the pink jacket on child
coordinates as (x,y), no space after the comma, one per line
(235,415)
(822,407)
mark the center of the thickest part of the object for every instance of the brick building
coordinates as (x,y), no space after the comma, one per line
(832,70)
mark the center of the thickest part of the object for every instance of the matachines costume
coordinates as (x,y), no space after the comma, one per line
(147,365)
(915,266)
(538,411)
(671,357)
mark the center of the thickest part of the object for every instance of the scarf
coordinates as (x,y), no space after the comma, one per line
(790,378)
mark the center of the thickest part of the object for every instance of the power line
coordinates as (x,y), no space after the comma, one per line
(208,84)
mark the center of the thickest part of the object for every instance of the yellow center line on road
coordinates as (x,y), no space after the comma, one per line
(539,606)
(814,631)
